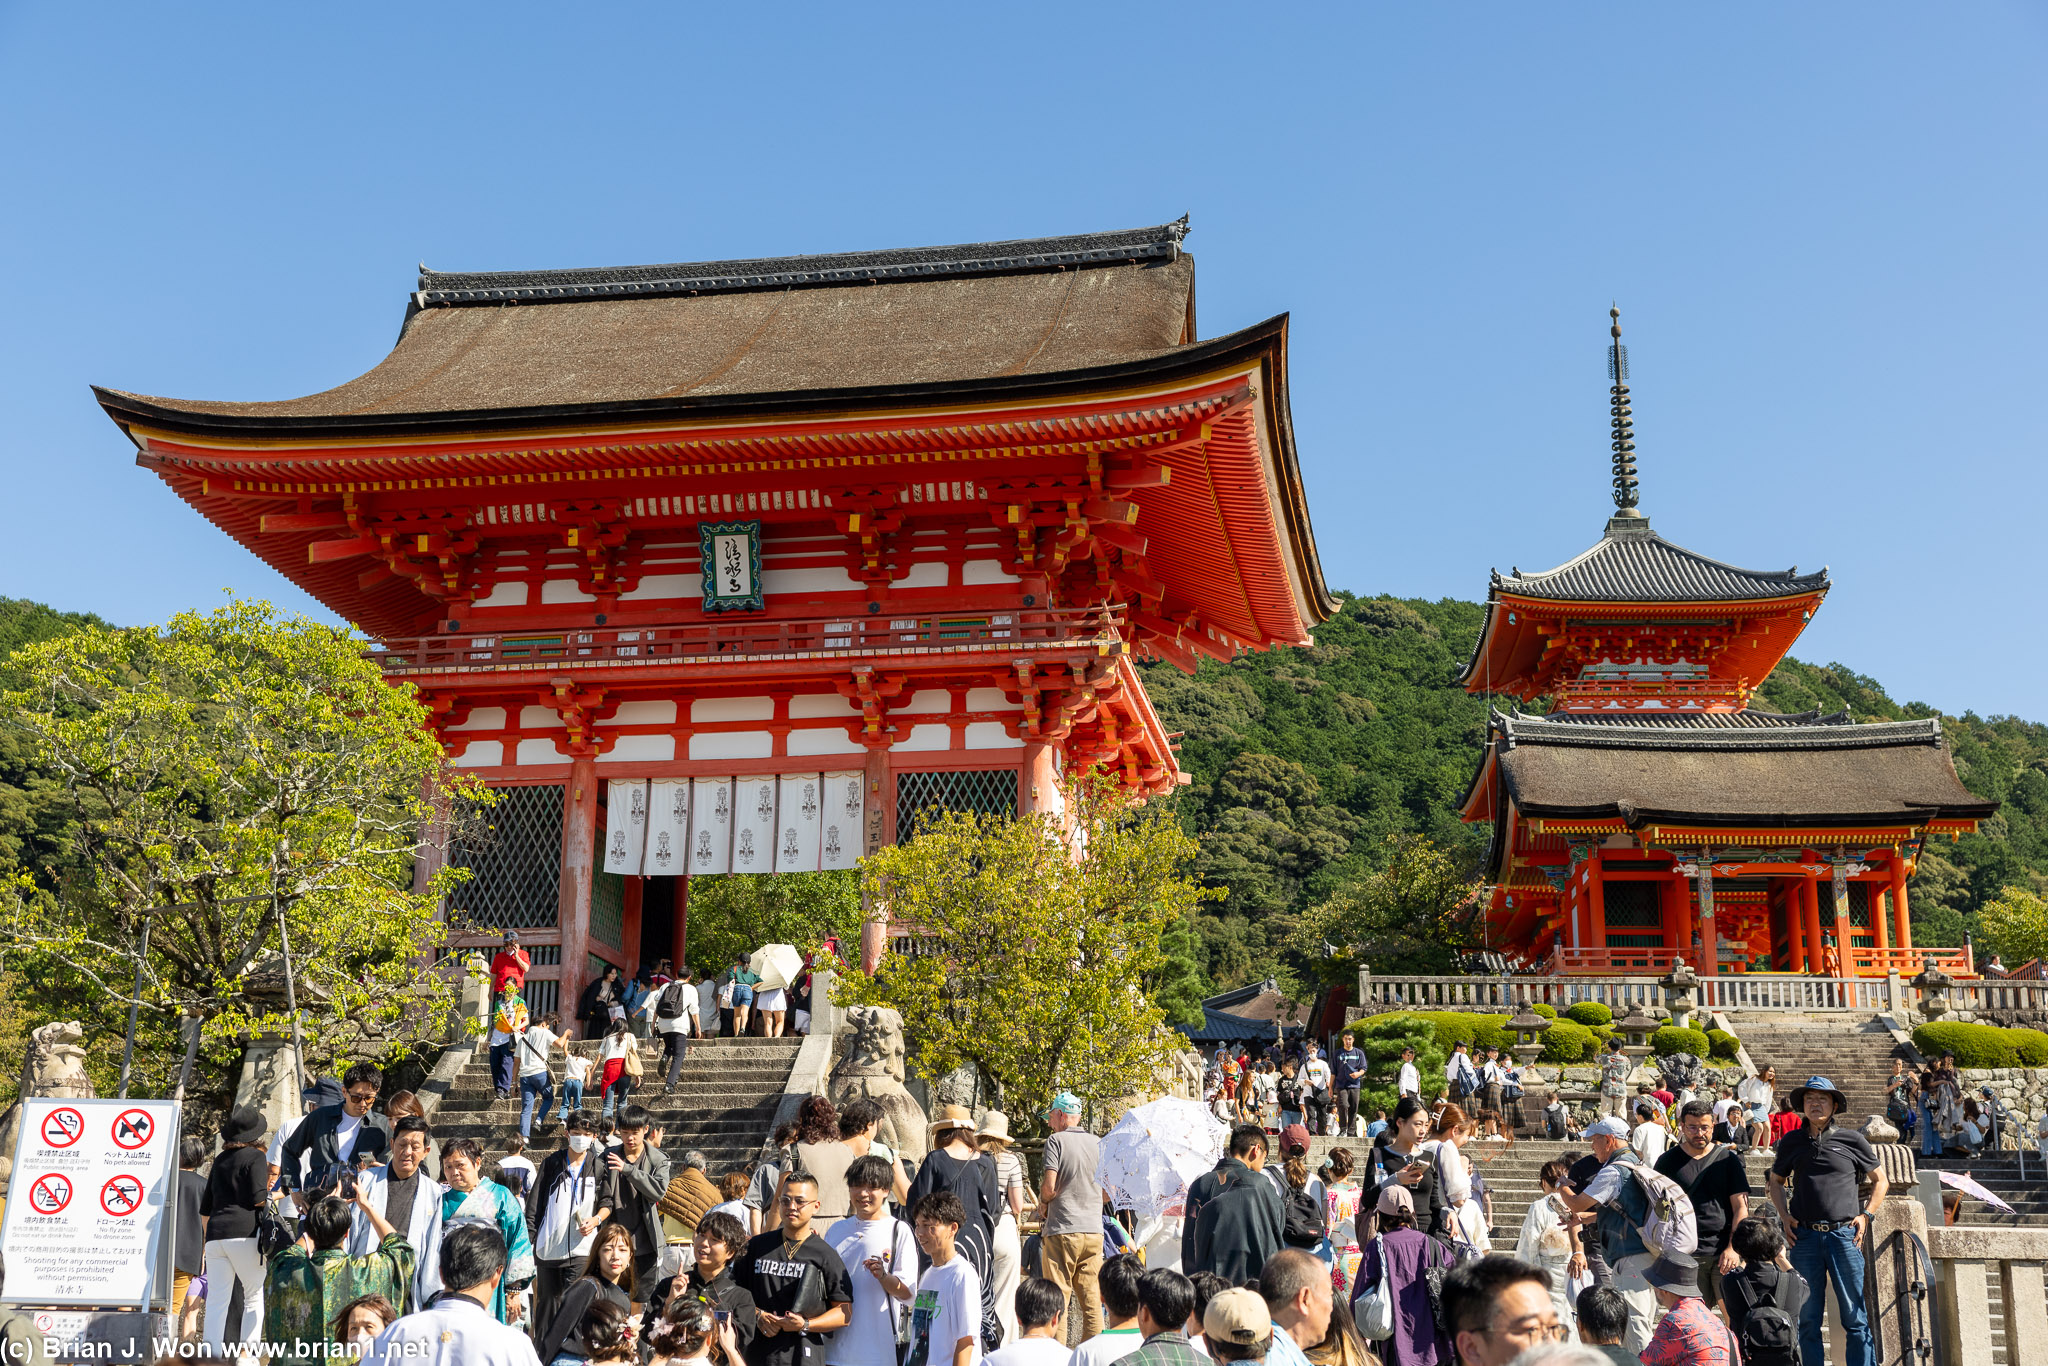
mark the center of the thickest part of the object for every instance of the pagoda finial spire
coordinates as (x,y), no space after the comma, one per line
(1622,429)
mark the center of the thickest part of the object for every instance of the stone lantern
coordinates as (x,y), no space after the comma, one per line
(1933,985)
(1638,1027)
(1528,1027)
(1679,988)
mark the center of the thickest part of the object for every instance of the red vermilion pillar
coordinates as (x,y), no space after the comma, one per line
(1902,923)
(679,937)
(629,921)
(579,844)
(1596,903)
(1810,913)
(1038,783)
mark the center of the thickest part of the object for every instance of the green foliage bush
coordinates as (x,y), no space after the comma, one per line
(1590,1013)
(1722,1045)
(1547,1012)
(1671,1039)
(1568,1041)
(1982,1045)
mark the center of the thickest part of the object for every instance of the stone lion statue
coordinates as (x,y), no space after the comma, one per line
(873,1068)
(54,1066)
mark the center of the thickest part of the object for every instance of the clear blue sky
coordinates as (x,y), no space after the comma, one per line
(1823,222)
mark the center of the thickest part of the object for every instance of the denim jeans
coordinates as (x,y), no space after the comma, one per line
(504,1077)
(1816,1256)
(1930,1141)
(572,1096)
(536,1094)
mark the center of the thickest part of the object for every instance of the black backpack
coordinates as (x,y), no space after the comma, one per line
(1304,1226)
(1769,1336)
(671,1003)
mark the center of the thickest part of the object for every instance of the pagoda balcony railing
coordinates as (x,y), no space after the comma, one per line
(750,638)
(1748,991)
(1907,962)
(1674,692)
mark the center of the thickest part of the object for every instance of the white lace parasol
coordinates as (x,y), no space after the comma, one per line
(1156,1151)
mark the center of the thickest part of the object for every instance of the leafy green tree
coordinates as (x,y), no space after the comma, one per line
(233,778)
(1381,1038)
(1412,914)
(1035,944)
(2016,925)
(738,914)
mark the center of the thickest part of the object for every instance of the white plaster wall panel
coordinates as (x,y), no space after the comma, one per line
(845,804)
(930,574)
(503,595)
(774,581)
(799,819)
(640,749)
(711,825)
(926,737)
(753,824)
(625,826)
(810,705)
(988,735)
(733,744)
(986,571)
(655,713)
(990,699)
(540,718)
(929,699)
(485,718)
(732,709)
(653,587)
(481,754)
(564,590)
(668,827)
(539,752)
(823,740)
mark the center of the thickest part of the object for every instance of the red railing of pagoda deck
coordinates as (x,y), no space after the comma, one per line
(1676,694)
(1862,962)
(1907,962)
(751,638)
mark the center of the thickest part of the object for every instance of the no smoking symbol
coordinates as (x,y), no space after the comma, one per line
(50,1194)
(63,1127)
(132,1129)
(120,1195)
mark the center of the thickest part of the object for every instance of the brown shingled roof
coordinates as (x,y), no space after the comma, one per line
(1793,775)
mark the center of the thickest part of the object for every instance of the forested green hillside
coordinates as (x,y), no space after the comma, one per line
(1305,761)
(1309,764)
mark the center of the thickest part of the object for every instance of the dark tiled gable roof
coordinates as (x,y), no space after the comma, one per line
(1641,566)
(1820,771)
(440,288)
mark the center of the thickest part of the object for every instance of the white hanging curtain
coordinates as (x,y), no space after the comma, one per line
(668,827)
(753,825)
(625,826)
(799,821)
(843,819)
(711,826)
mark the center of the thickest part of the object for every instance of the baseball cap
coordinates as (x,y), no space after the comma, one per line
(1066,1102)
(1612,1126)
(1396,1200)
(1294,1136)
(1238,1316)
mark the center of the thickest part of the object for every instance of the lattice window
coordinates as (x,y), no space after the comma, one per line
(515,863)
(608,909)
(1632,905)
(1635,941)
(980,791)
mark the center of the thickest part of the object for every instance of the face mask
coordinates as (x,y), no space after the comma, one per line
(579,1143)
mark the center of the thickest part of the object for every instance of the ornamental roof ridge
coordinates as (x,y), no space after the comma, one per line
(1631,564)
(441,289)
(1806,731)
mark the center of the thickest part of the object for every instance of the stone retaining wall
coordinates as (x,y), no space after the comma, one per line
(2022,1090)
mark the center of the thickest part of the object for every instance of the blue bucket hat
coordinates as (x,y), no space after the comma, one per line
(1825,1087)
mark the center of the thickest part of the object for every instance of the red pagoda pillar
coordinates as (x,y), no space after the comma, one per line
(579,846)
(1596,902)
(1902,924)
(1809,897)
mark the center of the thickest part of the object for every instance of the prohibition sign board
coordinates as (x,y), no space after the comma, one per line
(121,1195)
(63,1127)
(50,1194)
(132,1129)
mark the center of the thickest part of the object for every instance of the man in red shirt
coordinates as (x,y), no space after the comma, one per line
(508,968)
(1689,1334)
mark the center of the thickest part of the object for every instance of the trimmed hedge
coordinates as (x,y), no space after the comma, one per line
(1671,1039)
(1982,1045)
(1590,1014)
(1547,1012)
(1568,1041)
(1722,1045)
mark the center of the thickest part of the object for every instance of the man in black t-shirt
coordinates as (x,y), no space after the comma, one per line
(1825,1220)
(1712,1177)
(800,1288)
(1579,1177)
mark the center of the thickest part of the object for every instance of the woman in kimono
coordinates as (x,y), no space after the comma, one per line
(1546,1239)
(472,1199)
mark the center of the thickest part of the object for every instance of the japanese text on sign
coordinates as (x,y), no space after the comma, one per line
(97,1175)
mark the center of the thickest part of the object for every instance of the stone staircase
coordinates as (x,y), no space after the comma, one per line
(723,1104)
(1855,1054)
